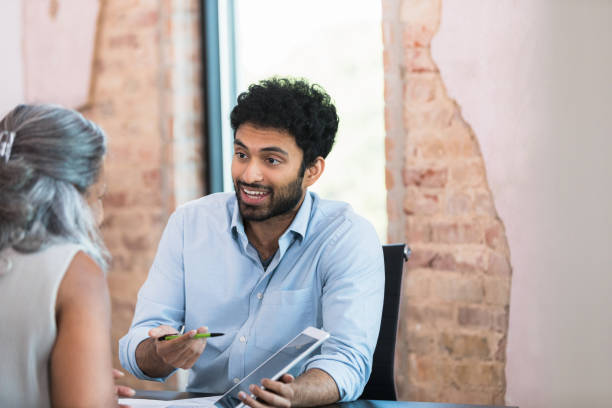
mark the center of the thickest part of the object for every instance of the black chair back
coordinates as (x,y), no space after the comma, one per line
(381,385)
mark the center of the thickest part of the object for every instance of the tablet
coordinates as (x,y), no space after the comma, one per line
(278,364)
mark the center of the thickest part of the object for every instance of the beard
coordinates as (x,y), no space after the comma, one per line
(281,200)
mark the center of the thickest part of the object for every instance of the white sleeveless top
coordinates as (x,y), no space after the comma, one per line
(28,289)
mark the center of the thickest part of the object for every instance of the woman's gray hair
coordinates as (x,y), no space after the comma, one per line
(56,156)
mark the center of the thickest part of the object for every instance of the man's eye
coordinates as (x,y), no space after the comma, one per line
(241,155)
(273,161)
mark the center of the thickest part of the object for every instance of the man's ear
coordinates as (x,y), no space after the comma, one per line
(312,173)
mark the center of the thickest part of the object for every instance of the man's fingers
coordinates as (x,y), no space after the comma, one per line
(287,378)
(280,388)
(182,354)
(124,391)
(202,329)
(117,374)
(186,359)
(269,397)
(250,401)
(161,330)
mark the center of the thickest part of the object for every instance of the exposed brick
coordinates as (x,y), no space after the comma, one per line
(136,243)
(483,204)
(497,291)
(151,178)
(460,147)
(389,182)
(429,177)
(479,374)
(459,346)
(456,233)
(444,261)
(469,394)
(418,60)
(500,351)
(468,174)
(472,316)
(429,148)
(420,89)
(421,202)
(500,320)
(460,286)
(471,260)
(129,86)
(124,220)
(417,230)
(499,265)
(428,315)
(420,258)
(495,237)
(115,199)
(124,40)
(459,204)
(416,284)
(420,343)
(439,116)
(425,369)
(454,288)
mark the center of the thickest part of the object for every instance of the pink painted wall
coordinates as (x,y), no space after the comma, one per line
(11,68)
(58,46)
(533,81)
(47,49)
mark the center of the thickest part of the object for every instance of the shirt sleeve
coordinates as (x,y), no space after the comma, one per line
(352,268)
(161,299)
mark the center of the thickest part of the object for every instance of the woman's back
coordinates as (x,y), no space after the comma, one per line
(55,315)
(28,288)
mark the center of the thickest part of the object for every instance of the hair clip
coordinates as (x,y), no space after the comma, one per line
(6,144)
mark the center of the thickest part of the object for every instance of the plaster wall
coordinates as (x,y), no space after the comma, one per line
(533,81)
(11,69)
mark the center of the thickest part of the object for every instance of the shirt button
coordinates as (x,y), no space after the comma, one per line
(236,380)
(259,295)
(242,339)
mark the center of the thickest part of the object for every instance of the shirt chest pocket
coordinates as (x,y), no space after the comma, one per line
(282,316)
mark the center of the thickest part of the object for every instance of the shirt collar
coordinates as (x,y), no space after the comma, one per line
(299,225)
(302,218)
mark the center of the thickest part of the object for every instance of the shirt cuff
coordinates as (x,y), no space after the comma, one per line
(127,353)
(339,375)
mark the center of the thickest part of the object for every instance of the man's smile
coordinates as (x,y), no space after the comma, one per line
(253,196)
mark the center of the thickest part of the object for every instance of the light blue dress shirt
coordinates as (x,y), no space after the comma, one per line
(328,272)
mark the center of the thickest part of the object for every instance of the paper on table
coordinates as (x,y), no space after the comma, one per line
(188,402)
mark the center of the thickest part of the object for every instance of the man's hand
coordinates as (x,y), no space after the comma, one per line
(159,358)
(181,352)
(313,388)
(121,390)
(272,394)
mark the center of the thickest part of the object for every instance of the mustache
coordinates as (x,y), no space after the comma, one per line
(253,186)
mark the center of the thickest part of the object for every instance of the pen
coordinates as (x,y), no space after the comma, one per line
(197,336)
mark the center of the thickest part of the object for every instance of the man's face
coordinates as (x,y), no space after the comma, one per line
(267,172)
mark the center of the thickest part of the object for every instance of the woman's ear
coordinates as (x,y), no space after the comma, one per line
(314,171)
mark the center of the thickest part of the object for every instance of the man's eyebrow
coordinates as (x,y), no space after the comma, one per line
(275,149)
(264,149)
(239,143)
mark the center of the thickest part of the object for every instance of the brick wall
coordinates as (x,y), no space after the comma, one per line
(454,315)
(145,94)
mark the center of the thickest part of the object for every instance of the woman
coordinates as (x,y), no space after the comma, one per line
(55,348)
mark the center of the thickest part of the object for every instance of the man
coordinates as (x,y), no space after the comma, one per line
(263,263)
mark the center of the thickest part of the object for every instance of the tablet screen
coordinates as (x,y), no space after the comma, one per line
(273,368)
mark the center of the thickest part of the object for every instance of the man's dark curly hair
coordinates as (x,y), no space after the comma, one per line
(293,105)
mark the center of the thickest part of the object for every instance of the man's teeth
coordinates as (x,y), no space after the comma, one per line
(252,192)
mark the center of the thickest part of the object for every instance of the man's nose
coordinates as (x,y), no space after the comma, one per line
(252,173)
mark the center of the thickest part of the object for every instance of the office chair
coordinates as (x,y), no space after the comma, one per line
(381,385)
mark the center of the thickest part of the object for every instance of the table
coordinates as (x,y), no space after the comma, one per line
(173,395)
